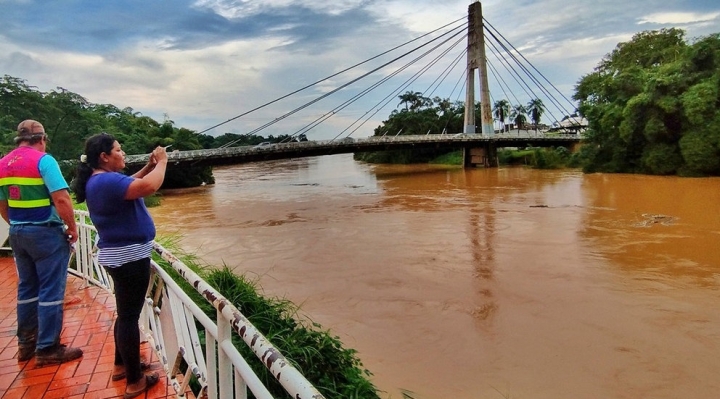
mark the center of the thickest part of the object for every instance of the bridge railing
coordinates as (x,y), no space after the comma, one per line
(169,323)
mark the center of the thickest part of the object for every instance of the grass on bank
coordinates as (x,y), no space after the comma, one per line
(539,158)
(335,371)
(451,158)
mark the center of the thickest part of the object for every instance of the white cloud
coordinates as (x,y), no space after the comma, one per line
(670,18)
(581,50)
(243,8)
(420,16)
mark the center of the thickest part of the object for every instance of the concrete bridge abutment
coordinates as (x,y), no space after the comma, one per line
(485,156)
(574,147)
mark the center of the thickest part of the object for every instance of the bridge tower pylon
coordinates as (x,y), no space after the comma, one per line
(476,61)
(487,155)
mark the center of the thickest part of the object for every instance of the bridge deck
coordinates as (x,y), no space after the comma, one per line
(234,155)
(89,316)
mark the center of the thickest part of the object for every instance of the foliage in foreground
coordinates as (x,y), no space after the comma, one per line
(335,371)
(653,106)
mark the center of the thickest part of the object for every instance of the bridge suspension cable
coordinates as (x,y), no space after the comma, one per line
(393,94)
(514,73)
(504,51)
(331,76)
(374,86)
(498,77)
(515,50)
(405,84)
(458,29)
(343,86)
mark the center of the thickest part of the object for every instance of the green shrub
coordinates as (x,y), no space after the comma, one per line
(451,158)
(701,152)
(545,158)
(661,159)
(515,157)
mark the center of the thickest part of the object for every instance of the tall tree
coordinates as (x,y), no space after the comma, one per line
(501,110)
(18,101)
(414,100)
(69,121)
(647,49)
(519,117)
(444,105)
(652,106)
(535,108)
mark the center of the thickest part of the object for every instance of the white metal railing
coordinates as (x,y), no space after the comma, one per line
(169,321)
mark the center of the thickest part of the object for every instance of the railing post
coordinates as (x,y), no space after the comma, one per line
(225,370)
(211,349)
(83,258)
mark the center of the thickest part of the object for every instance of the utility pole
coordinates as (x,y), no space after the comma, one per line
(476,60)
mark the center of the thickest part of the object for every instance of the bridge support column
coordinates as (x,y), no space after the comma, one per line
(485,156)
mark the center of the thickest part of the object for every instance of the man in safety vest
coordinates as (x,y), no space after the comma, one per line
(35,202)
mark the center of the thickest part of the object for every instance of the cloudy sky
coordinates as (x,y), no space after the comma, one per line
(203,62)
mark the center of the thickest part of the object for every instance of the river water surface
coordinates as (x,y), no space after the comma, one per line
(480,283)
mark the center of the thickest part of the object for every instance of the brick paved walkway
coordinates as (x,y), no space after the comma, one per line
(89,315)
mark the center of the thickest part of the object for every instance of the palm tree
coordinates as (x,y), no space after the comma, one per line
(443,104)
(413,100)
(518,116)
(535,108)
(407,99)
(501,110)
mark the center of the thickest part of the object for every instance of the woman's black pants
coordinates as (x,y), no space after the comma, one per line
(131,282)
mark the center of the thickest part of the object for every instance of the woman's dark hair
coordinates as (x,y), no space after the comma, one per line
(94,146)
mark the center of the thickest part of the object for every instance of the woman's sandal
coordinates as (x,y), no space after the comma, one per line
(150,380)
(121,375)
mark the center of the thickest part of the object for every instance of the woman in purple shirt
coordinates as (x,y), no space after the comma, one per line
(126,232)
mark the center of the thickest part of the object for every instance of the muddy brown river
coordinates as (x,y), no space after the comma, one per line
(480,283)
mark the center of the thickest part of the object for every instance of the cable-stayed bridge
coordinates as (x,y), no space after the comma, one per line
(235,155)
(432,120)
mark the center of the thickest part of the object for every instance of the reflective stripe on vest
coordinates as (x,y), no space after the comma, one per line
(24,181)
(25,192)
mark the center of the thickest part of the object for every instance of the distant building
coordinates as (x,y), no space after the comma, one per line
(574,121)
(573,124)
